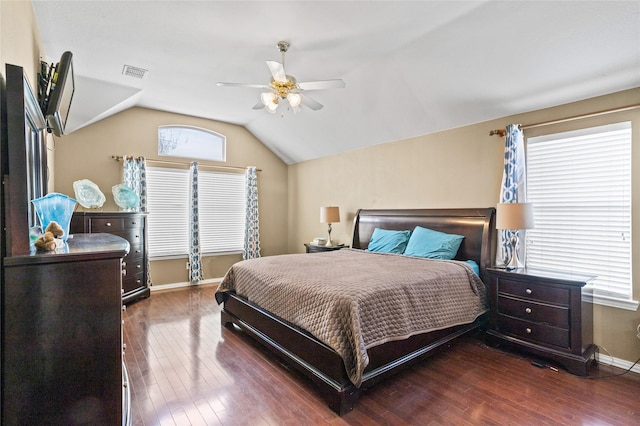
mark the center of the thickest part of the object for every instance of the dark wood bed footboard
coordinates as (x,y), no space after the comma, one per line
(323,365)
(307,355)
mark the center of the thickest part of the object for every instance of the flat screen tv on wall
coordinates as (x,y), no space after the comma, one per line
(60,95)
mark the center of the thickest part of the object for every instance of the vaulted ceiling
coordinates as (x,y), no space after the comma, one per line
(410,67)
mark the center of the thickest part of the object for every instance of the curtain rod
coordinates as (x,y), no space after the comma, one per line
(181,163)
(502,132)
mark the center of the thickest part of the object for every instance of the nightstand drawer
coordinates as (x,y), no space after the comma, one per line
(556,316)
(543,293)
(537,333)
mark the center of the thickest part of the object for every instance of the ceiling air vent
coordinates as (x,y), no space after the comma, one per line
(134,72)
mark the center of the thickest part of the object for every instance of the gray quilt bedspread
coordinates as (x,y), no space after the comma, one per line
(353,300)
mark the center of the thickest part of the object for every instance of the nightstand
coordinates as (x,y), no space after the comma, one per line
(542,313)
(313,248)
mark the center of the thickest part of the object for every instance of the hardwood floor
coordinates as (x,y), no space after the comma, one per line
(185,370)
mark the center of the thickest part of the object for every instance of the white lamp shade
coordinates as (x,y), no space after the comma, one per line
(329,214)
(513,216)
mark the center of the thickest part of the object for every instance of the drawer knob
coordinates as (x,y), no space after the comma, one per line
(528,291)
(528,330)
(108,224)
(528,310)
(124,308)
(138,266)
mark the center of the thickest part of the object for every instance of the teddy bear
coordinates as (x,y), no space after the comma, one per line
(48,240)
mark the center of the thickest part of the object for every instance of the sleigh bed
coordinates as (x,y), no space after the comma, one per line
(338,376)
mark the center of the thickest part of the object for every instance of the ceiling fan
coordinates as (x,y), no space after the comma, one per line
(285,89)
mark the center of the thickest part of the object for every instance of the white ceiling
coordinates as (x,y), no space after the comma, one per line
(410,67)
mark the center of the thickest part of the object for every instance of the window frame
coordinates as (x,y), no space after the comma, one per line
(591,293)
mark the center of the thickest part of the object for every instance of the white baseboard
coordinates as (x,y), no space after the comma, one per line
(173,286)
(605,360)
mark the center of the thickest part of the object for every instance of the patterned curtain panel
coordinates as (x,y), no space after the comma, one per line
(514,179)
(134,175)
(252,226)
(195,257)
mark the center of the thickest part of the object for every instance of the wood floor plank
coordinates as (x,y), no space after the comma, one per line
(185,369)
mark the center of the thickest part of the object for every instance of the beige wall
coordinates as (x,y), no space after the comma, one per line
(455,168)
(20,45)
(19,38)
(86,154)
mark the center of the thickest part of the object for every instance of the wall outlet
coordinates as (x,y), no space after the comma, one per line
(638,330)
(187,268)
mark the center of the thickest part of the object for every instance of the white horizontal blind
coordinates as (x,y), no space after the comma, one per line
(168,207)
(221,204)
(580,186)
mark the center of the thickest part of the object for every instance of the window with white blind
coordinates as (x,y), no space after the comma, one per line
(221,203)
(580,186)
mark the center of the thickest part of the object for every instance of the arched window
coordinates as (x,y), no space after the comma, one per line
(191,142)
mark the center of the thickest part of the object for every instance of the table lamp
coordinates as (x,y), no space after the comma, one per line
(329,215)
(513,217)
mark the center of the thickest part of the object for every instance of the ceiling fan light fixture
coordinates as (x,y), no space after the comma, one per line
(272,107)
(268,98)
(294,99)
(285,87)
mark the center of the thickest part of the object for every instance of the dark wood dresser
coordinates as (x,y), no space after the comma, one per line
(62,348)
(543,313)
(133,228)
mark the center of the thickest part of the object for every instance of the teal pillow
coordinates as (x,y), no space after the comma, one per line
(474,266)
(433,244)
(387,241)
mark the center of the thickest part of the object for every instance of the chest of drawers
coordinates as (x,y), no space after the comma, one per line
(543,313)
(133,228)
(62,343)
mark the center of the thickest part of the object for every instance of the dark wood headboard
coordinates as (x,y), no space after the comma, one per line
(477,226)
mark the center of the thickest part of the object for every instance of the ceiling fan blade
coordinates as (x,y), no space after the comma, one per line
(256,86)
(310,103)
(277,71)
(322,84)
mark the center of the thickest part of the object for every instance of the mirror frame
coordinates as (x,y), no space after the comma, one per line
(25,172)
